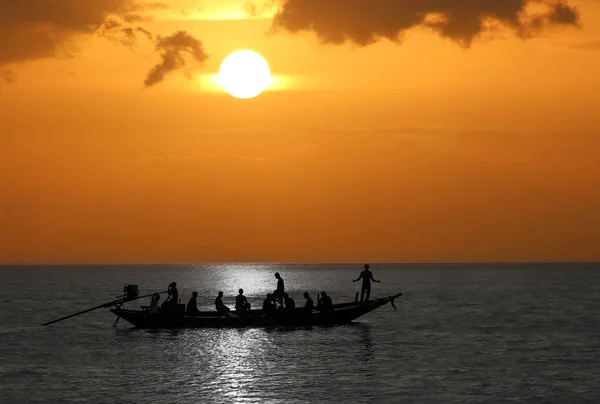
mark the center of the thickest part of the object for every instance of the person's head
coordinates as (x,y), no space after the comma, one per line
(277,275)
(324,294)
(367,267)
(156,297)
(241,291)
(172,285)
(220,294)
(306,295)
(285,295)
(195,294)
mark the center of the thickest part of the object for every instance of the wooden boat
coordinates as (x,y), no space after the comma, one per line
(175,316)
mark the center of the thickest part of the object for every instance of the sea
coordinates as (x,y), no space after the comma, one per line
(461,333)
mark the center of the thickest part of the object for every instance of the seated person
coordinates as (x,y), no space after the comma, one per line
(325,303)
(172,294)
(192,307)
(220,306)
(154,303)
(290,305)
(241,304)
(269,306)
(309,305)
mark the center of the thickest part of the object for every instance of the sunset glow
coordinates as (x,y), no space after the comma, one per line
(389,131)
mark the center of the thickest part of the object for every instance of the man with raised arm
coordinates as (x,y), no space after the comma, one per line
(367,277)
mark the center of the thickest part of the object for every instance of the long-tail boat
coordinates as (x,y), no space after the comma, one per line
(174,316)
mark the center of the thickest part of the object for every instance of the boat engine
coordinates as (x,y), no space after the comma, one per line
(131,291)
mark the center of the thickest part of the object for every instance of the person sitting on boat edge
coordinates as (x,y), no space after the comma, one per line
(241,303)
(325,304)
(154,303)
(172,294)
(290,305)
(367,277)
(192,307)
(220,306)
(278,293)
(269,306)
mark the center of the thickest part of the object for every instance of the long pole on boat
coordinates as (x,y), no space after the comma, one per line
(101,306)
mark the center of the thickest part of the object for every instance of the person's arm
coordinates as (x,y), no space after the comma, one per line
(358,279)
(373,279)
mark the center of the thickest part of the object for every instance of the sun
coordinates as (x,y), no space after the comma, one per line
(244,74)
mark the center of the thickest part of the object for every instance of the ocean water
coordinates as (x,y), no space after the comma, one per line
(461,334)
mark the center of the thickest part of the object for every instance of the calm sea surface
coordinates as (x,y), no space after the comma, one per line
(461,334)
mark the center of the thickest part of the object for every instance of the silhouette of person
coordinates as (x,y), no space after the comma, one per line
(278,293)
(309,305)
(367,277)
(241,303)
(325,303)
(172,294)
(192,307)
(220,306)
(154,303)
(269,306)
(290,305)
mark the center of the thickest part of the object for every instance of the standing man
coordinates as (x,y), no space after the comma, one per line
(278,293)
(367,277)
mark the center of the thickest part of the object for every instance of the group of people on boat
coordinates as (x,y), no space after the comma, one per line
(277,302)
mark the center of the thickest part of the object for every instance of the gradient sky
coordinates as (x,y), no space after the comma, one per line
(398,131)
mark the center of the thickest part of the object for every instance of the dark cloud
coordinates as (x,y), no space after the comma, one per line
(39,29)
(124,34)
(367,21)
(172,50)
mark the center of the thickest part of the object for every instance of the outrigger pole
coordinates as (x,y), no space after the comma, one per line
(130,294)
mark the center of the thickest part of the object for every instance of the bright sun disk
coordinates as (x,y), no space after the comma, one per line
(244,74)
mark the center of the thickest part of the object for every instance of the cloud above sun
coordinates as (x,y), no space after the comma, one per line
(42,29)
(365,22)
(172,50)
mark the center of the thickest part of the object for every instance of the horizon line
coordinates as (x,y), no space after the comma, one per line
(22,264)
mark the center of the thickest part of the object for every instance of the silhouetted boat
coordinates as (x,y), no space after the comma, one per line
(175,317)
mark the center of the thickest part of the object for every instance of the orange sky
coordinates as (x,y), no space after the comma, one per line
(423,150)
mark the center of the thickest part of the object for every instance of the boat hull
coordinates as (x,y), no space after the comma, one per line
(341,314)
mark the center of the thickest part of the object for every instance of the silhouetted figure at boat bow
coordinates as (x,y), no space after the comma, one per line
(367,277)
